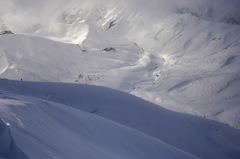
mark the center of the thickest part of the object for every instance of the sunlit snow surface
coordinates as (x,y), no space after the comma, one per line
(182,55)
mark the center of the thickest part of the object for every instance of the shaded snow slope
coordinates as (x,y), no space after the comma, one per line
(195,135)
(46,129)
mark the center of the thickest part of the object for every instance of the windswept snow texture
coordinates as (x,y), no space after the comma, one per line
(47,115)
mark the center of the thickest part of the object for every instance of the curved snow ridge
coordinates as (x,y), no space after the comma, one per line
(56,130)
(179,130)
(8,148)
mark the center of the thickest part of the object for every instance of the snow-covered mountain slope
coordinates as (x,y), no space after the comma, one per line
(193,65)
(39,59)
(46,117)
(179,54)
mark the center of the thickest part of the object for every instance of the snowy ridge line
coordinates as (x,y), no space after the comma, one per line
(167,126)
(45,129)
